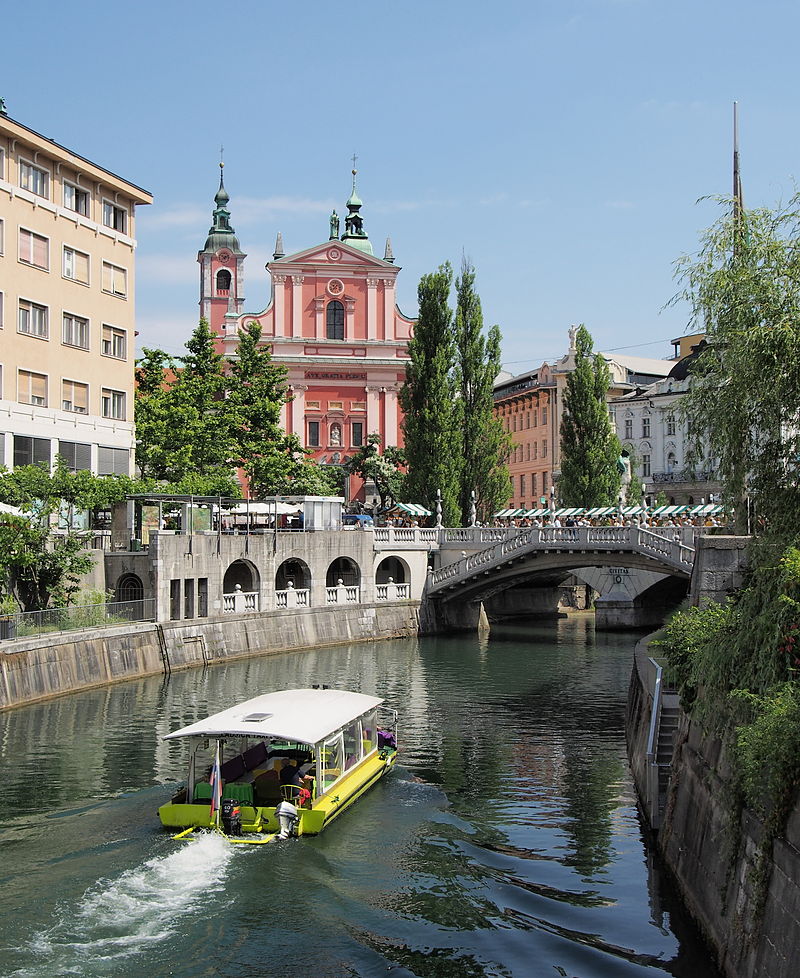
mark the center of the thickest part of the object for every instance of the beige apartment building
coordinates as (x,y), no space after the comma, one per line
(67,244)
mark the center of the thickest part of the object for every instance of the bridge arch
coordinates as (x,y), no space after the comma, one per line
(243,573)
(393,567)
(295,570)
(343,569)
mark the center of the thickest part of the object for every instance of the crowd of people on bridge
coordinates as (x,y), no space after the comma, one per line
(616,519)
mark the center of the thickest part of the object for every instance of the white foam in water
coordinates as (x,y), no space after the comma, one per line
(121,917)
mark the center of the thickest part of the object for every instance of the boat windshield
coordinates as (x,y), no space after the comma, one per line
(332,756)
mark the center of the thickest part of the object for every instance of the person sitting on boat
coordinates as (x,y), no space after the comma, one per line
(292,776)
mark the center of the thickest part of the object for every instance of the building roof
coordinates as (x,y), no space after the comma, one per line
(641,365)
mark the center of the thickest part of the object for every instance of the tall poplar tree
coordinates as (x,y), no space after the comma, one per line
(485,445)
(589,445)
(432,413)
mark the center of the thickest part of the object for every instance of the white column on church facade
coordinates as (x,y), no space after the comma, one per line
(319,310)
(372,308)
(299,412)
(297,305)
(390,412)
(388,308)
(373,409)
(278,294)
(350,319)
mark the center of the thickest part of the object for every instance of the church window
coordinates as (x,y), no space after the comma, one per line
(335,320)
(357,439)
(313,434)
(223,281)
(544,415)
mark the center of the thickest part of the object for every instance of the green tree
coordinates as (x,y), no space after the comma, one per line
(38,568)
(743,403)
(432,413)
(589,446)
(384,469)
(485,445)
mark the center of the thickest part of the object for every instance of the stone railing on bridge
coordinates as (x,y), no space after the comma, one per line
(343,594)
(392,537)
(238,602)
(665,547)
(392,592)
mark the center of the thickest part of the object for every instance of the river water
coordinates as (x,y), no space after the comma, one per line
(505,843)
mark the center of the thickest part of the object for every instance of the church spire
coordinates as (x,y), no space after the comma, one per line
(221,233)
(354,233)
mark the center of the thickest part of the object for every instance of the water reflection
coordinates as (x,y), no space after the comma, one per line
(508,835)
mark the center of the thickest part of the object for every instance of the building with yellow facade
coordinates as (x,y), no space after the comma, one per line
(67,326)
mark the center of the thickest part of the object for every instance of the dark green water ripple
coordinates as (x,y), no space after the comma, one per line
(507,843)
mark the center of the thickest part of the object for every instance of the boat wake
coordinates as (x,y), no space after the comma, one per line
(119,918)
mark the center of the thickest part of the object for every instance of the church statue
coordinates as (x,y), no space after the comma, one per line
(334,226)
(573,332)
(336,435)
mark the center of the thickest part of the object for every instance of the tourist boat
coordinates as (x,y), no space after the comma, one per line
(339,742)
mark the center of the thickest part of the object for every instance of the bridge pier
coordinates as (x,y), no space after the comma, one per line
(451,616)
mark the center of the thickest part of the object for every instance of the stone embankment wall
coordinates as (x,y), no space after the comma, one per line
(695,841)
(50,665)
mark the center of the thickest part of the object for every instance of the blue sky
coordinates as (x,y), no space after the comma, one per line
(561,144)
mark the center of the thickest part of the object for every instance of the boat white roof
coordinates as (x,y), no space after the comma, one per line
(303,715)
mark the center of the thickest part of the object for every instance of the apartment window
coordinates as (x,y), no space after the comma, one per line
(115,342)
(2,163)
(522,485)
(335,320)
(113,461)
(76,199)
(74,397)
(76,265)
(357,435)
(535,418)
(313,434)
(514,423)
(533,485)
(2,237)
(115,279)
(32,319)
(671,424)
(34,249)
(645,465)
(645,427)
(31,451)
(544,448)
(628,428)
(115,217)
(112,404)
(75,331)
(544,415)
(312,405)
(32,388)
(535,450)
(1,310)
(34,179)
(77,456)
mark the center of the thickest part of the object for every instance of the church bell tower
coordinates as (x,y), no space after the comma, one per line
(221,268)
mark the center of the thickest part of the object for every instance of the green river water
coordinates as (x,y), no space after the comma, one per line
(506,842)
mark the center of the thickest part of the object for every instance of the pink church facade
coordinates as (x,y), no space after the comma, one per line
(332,321)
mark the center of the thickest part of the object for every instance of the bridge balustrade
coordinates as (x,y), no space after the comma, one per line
(667,546)
(343,594)
(238,602)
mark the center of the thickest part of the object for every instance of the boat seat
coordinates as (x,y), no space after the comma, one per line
(202,791)
(255,756)
(234,768)
(239,792)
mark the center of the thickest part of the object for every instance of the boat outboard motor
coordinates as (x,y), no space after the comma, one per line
(231,817)
(287,819)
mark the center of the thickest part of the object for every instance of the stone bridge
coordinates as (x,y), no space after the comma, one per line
(547,554)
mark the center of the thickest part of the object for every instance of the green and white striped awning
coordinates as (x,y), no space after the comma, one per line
(413,509)
(505,514)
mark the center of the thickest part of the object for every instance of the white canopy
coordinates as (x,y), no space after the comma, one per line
(306,716)
(265,509)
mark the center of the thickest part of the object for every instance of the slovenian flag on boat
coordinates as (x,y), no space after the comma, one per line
(216,784)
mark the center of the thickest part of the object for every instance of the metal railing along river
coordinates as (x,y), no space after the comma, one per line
(74,617)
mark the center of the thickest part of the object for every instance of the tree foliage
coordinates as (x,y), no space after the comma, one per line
(743,405)
(432,414)
(453,442)
(485,445)
(385,470)
(201,417)
(589,445)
